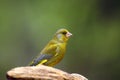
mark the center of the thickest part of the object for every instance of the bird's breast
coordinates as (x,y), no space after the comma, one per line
(62,47)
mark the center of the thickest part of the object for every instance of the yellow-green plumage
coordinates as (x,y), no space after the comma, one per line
(54,51)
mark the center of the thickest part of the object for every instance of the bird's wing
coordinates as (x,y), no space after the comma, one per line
(41,59)
(45,55)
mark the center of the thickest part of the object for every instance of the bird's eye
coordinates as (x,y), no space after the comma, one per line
(64,32)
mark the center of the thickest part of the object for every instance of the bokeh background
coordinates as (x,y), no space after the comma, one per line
(93,50)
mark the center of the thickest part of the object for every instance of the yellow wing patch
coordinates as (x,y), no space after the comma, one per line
(42,62)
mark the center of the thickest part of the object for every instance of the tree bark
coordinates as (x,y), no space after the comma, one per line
(41,73)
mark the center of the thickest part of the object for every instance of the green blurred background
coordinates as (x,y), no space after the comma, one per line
(93,50)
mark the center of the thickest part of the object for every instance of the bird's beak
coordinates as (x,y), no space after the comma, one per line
(68,34)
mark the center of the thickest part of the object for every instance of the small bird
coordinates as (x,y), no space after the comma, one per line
(54,51)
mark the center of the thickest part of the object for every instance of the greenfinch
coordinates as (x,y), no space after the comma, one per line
(54,51)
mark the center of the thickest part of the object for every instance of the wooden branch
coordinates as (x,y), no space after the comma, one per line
(41,73)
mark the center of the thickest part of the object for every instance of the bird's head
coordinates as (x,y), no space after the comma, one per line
(62,35)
